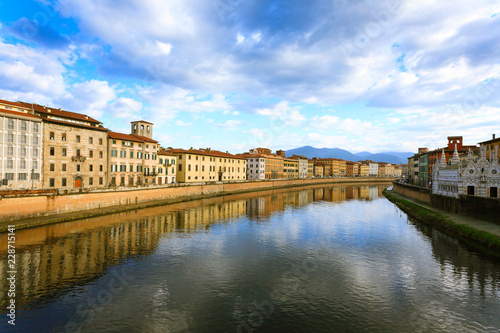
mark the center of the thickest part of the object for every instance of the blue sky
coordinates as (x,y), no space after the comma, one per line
(231,74)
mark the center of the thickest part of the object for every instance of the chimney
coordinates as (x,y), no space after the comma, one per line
(493,136)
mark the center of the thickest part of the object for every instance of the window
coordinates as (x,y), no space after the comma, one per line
(52,182)
(123,153)
(22,164)
(11,124)
(196,168)
(35,139)
(131,168)
(10,137)
(63,137)
(35,165)
(114,168)
(23,151)
(189,157)
(180,157)
(35,127)
(91,180)
(10,151)
(139,169)
(78,152)
(493,192)
(197,158)
(146,156)
(64,152)
(91,140)
(78,168)
(139,155)
(180,167)
(35,176)
(123,168)
(100,180)
(189,167)
(22,176)
(100,141)
(23,138)
(101,168)
(100,154)
(52,167)
(114,142)
(52,151)
(202,168)
(77,138)
(91,153)
(131,154)
(91,167)
(10,164)
(51,135)
(154,156)
(114,153)
(63,182)
(63,167)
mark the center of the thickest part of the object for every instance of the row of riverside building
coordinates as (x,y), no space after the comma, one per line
(48,148)
(457,169)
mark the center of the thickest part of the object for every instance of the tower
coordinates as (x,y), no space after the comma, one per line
(142,128)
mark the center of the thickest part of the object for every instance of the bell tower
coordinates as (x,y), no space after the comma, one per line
(142,128)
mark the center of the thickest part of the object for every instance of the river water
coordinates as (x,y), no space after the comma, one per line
(316,259)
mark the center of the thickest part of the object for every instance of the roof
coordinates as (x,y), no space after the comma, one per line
(121,136)
(164,152)
(144,138)
(215,153)
(62,122)
(12,103)
(20,114)
(141,121)
(490,141)
(299,156)
(59,112)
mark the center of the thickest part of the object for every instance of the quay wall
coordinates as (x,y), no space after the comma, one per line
(14,208)
(414,192)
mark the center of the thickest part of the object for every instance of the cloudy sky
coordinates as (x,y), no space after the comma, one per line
(231,74)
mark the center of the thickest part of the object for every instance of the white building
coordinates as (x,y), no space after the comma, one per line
(373,169)
(303,165)
(479,177)
(256,166)
(20,147)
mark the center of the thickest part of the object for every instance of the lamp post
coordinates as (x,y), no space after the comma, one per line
(32,175)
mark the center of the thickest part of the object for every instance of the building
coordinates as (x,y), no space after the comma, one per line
(318,169)
(74,149)
(167,170)
(385,170)
(404,171)
(125,154)
(414,169)
(363,170)
(351,169)
(290,168)
(398,171)
(310,168)
(491,145)
(303,166)
(372,168)
(453,141)
(470,176)
(205,165)
(256,165)
(21,147)
(144,130)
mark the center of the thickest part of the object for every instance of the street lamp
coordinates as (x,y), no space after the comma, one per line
(32,175)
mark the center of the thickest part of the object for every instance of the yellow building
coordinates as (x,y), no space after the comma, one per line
(319,170)
(125,154)
(202,165)
(364,170)
(310,168)
(491,146)
(290,168)
(342,168)
(167,170)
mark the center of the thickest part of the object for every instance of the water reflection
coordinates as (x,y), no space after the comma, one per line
(336,258)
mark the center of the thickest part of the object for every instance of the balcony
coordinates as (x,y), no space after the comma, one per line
(78,158)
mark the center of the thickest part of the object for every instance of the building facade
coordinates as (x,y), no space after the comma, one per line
(125,154)
(256,165)
(303,166)
(21,147)
(167,167)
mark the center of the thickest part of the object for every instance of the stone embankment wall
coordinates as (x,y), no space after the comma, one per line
(414,192)
(480,207)
(16,208)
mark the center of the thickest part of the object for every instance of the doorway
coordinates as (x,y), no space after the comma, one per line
(78,182)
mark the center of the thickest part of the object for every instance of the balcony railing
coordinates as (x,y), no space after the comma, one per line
(78,158)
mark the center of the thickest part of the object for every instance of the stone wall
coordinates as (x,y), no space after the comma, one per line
(480,207)
(414,192)
(14,208)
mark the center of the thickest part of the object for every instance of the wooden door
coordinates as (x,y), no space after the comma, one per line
(78,183)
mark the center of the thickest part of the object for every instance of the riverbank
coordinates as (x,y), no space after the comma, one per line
(472,230)
(26,212)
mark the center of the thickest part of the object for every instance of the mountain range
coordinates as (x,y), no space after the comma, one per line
(384,157)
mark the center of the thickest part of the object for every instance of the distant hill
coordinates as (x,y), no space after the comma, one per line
(386,157)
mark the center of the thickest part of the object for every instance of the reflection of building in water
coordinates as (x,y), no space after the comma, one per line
(373,192)
(466,264)
(44,268)
(256,207)
(351,192)
(364,192)
(266,205)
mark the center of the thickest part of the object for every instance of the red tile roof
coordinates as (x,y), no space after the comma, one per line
(121,136)
(18,113)
(163,152)
(66,123)
(12,103)
(214,153)
(59,112)
(146,139)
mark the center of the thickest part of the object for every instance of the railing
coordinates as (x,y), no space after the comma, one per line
(78,158)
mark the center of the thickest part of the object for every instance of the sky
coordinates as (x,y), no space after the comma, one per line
(360,75)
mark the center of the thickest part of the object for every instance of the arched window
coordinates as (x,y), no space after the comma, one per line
(148,128)
(142,127)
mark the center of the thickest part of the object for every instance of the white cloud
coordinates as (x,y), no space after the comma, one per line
(126,108)
(182,123)
(229,125)
(164,48)
(283,115)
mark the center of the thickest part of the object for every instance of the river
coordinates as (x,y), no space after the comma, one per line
(315,259)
